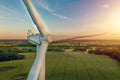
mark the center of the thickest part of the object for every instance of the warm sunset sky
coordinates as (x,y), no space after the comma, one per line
(70,17)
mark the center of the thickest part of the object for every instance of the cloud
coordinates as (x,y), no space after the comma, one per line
(104,5)
(10,14)
(44,5)
(52,12)
(61,16)
(6,10)
(5,13)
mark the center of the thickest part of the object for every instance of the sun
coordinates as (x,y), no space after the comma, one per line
(116,21)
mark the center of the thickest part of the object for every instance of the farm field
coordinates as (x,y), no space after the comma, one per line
(79,66)
(64,66)
(16,69)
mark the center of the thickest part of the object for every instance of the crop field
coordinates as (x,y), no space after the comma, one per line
(64,66)
(16,69)
(80,66)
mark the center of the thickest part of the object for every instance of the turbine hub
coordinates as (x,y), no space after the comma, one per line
(47,38)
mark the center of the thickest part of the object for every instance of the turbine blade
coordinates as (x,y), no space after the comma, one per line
(36,68)
(62,37)
(35,17)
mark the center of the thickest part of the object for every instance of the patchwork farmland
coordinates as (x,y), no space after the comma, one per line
(65,66)
(68,60)
(80,66)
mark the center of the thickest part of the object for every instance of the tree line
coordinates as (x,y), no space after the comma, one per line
(111,52)
(10,56)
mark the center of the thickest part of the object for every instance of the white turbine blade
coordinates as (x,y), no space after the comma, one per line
(63,37)
(35,17)
(35,70)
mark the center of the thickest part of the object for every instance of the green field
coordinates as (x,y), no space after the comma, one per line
(12,70)
(79,66)
(65,66)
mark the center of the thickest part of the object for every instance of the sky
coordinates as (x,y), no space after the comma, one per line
(61,17)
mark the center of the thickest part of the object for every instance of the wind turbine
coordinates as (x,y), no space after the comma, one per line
(42,41)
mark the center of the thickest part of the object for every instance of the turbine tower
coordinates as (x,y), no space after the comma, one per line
(42,41)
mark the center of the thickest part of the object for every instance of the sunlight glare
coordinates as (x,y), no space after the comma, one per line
(116,22)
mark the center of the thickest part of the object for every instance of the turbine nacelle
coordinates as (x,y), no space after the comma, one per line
(37,39)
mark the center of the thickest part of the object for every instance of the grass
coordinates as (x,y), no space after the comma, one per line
(11,70)
(79,66)
(65,66)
